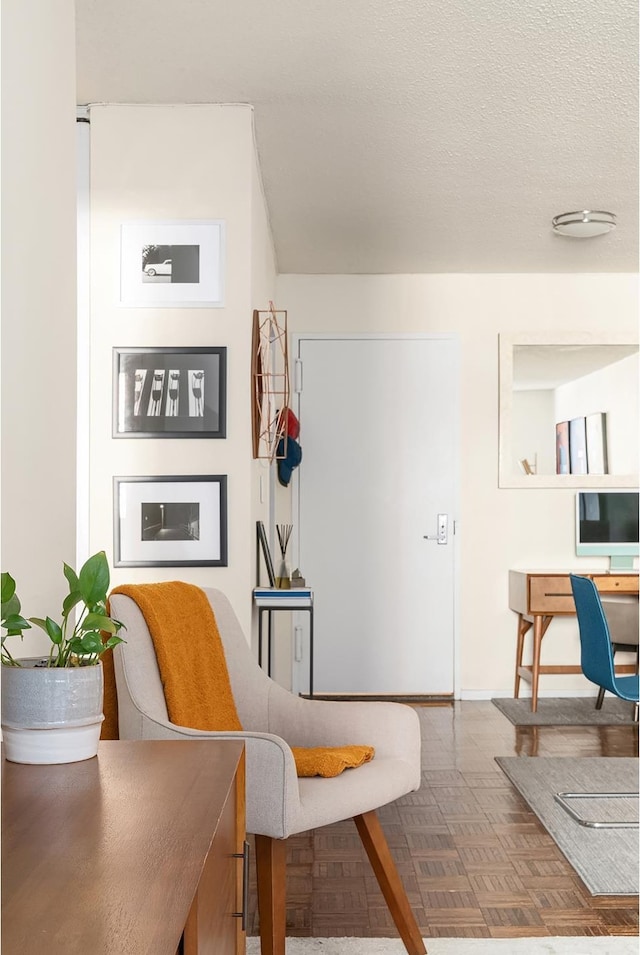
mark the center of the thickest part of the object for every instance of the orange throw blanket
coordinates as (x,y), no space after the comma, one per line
(194,674)
(329,760)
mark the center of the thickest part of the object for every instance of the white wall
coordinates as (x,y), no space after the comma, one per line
(38,302)
(500,528)
(613,390)
(533,430)
(178,162)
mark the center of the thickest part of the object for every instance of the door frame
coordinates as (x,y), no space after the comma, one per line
(299,667)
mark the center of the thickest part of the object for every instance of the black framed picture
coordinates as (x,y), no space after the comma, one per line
(170,521)
(263,548)
(169,392)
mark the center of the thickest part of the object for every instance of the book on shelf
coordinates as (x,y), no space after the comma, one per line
(281,593)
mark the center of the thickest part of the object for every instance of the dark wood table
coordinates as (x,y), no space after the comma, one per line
(130,852)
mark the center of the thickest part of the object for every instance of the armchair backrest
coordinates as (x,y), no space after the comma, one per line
(136,669)
(596,654)
(138,677)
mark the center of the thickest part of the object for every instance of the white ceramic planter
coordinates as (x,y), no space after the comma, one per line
(51,714)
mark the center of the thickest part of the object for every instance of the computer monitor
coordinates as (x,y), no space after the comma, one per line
(607,526)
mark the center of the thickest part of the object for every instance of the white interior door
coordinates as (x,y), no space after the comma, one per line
(379,436)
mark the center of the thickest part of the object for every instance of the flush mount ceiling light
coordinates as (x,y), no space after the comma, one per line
(584,224)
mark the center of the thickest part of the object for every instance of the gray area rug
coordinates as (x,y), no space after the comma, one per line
(605,859)
(566,711)
(458,946)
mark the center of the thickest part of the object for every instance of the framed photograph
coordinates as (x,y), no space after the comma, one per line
(562,447)
(169,392)
(263,548)
(170,521)
(596,428)
(578,446)
(178,263)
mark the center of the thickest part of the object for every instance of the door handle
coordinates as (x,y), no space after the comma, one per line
(442,537)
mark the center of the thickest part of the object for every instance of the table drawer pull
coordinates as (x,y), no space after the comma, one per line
(551,595)
(607,584)
(244,855)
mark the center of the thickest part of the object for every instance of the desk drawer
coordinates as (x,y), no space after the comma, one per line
(616,584)
(551,594)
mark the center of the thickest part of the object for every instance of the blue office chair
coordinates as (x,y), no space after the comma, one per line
(597,665)
(595,643)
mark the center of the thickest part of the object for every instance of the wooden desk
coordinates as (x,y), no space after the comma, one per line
(129,852)
(539,596)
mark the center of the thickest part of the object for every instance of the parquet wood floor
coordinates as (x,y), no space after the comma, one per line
(475,860)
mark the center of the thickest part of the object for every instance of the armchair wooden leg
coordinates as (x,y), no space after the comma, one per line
(271,875)
(377,849)
(600,698)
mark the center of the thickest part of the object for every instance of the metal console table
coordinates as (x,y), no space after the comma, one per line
(272,600)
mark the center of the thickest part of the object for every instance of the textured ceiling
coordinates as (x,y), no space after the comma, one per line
(404,135)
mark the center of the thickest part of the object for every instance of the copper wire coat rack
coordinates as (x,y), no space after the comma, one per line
(269,381)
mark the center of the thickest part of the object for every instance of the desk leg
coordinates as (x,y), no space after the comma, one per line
(260,609)
(268,642)
(540,627)
(311,651)
(523,628)
(535,663)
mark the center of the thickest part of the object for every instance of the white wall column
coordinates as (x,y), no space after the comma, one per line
(38,300)
(179,163)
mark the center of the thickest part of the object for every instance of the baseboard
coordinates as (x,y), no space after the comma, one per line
(444,699)
(416,699)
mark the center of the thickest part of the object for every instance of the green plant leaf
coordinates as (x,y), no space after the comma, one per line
(7,588)
(93,580)
(54,630)
(14,623)
(70,602)
(112,642)
(90,588)
(72,577)
(97,621)
(10,607)
(91,643)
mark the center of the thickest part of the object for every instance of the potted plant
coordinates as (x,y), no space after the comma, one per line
(52,705)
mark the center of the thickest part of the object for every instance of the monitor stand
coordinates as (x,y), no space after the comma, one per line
(620,564)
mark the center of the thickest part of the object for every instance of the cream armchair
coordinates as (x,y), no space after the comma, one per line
(278,803)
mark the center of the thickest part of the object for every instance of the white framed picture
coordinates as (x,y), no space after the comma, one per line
(176,263)
(596,428)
